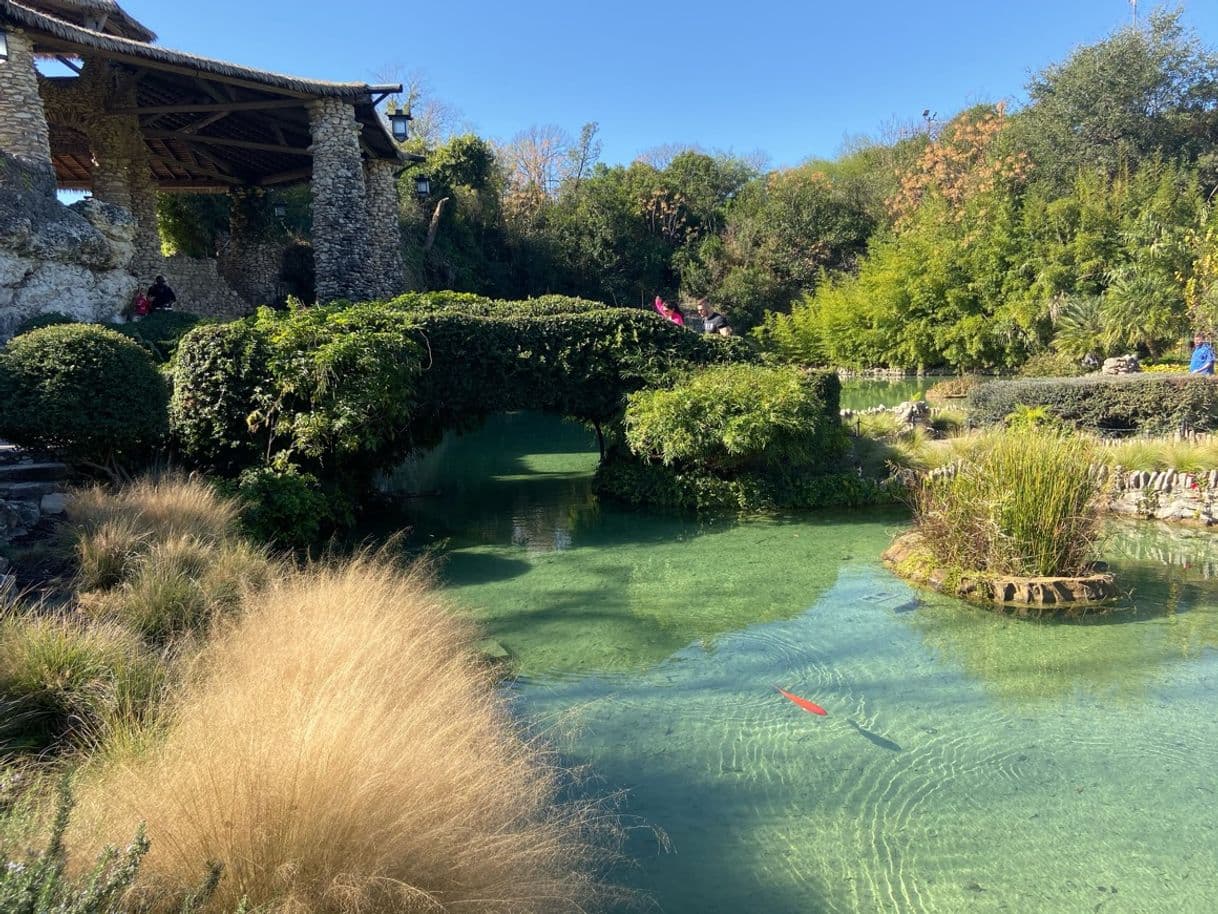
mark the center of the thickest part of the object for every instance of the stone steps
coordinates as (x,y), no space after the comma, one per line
(27,491)
(32,472)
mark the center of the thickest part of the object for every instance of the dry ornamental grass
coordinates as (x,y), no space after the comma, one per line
(340,750)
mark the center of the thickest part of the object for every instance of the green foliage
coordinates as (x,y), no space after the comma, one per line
(87,393)
(1121,404)
(1030,418)
(42,881)
(160,332)
(283,505)
(735,437)
(1022,505)
(343,391)
(49,319)
(192,224)
(652,485)
(1142,91)
(729,418)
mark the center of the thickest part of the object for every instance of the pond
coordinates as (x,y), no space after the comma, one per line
(864,393)
(969,762)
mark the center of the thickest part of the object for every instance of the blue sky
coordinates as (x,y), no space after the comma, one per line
(791,79)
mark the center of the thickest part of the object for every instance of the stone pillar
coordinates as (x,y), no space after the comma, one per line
(386,273)
(24,133)
(340,226)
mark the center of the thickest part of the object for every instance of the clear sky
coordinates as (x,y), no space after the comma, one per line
(791,78)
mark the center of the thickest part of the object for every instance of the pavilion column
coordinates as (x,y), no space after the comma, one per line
(386,272)
(340,211)
(122,170)
(24,133)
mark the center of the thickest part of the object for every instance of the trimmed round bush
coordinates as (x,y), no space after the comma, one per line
(38,321)
(86,393)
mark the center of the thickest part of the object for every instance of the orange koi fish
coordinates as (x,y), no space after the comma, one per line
(808,706)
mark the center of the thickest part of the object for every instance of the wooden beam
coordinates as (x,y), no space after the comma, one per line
(206,122)
(201,170)
(208,107)
(68,62)
(225,141)
(285,177)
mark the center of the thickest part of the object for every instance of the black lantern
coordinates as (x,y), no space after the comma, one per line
(422,186)
(3,45)
(399,121)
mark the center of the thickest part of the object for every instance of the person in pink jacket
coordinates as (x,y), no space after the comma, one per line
(671,312)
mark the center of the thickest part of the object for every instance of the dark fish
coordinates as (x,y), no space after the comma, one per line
(875,738)
(908,606)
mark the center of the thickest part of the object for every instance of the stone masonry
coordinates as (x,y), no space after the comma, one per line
(24,133)
(386,273)
(340,211)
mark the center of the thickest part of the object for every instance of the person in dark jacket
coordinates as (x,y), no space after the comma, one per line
(160,296)
(712,320)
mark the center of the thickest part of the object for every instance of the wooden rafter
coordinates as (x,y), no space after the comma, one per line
(209,107)
(201,170)
(225,141)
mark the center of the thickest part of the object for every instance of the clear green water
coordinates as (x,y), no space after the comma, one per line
(969,763)
(863,393)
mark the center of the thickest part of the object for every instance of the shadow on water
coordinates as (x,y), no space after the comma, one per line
(874,738)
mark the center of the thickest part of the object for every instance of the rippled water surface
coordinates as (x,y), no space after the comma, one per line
(969,762)
(862,393)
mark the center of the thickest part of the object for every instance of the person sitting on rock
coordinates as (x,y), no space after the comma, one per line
(160,296)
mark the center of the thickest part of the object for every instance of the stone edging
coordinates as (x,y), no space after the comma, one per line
(908,558)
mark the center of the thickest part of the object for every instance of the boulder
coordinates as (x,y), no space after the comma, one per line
(1121,364)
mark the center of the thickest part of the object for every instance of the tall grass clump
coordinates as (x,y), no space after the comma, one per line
(338,748)
(160,507)
(1021,504)
(61,678)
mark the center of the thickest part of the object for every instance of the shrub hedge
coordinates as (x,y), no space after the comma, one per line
(736,437)
(1122,404)
(337,393)
(82,391)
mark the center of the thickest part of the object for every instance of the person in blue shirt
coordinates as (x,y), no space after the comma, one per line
(1203,356)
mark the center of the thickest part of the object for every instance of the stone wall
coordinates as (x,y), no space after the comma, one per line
(201,289)
(340,211)
(1166,495)
(31,489)
(250,260)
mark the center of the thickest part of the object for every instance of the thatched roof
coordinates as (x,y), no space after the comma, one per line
(209,124)
(66,37)
(104,16)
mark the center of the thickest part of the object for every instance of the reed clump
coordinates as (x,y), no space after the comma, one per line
(1020,504)
(338,749)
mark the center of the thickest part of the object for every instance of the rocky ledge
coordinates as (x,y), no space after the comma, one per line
(909,558)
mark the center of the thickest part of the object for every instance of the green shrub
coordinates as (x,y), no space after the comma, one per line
(728,418)
(283,505)
(1052,365)
(1121,404)
(345,391)
(49,319)
(160,332)
(735,437)
(1022,504)
(87,393)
